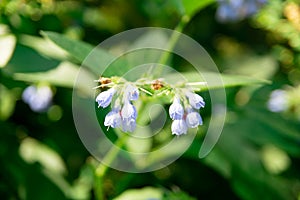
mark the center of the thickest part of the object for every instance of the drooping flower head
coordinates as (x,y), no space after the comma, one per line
(184,110)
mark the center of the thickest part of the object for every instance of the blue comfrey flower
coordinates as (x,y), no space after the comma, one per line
(179,127)
(184,110)
(128,111)
(129,115)
(104,98)
(131,92)
(176,110)
(195,100)
(235,10)
(113,119)
(128,124)
(38,97)
(193,119)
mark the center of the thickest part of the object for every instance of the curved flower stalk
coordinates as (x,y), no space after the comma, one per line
(184,110)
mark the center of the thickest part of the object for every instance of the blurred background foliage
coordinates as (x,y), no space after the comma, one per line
(258,154)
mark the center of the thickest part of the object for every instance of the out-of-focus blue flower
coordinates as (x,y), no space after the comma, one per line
(104,98)
(278,101)
(131,92)
(195,100)
(38,97)
(193,119)
(176,110)
(128,124)
(235,10)
(113,119)
(179,127)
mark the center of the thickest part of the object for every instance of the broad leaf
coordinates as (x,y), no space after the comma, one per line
(215,80)
(7,46)
(94,58)
(191,7)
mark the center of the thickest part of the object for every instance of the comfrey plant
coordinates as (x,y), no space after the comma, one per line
(184,111)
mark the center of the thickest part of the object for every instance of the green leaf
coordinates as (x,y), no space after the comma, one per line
(141,194)
(25,60)
(7,99)
(215,80)
(77,49)
(7,46)
(64,75)
(95,59)
(191,7)
(43,47)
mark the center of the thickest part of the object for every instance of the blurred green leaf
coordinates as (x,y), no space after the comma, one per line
(7,105)
(141,194)
(77,49)
(7,46)
(64,75)
(26,60)
(191,7)
(32,151)
(91,57)
(43,46)
(221,80)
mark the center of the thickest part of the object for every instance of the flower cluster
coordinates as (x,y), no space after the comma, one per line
(186,116)
(123,113)
(184,111)
(234,10)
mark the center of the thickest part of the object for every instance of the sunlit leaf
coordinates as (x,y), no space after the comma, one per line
(141,194)
(221,80)
(7,105)
(32,151)
(7,46)
(64,75)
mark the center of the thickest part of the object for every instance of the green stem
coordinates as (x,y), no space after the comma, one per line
(171,44)
(107,160)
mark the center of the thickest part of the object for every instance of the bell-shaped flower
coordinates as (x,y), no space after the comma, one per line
(128,124)
(179,127)
(176,110)
(113,119)
(193,119)
(104,98)
(131,92)
(195,100)
(128,111)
